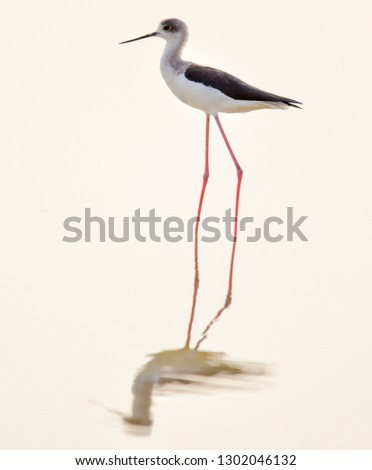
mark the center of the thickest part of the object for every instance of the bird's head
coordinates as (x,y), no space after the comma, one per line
(170,29)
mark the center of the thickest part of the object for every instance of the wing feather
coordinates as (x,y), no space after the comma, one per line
(232,86)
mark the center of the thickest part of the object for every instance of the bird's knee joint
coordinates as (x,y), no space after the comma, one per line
(206,176)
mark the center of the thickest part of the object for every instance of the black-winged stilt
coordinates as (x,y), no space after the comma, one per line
(212,91)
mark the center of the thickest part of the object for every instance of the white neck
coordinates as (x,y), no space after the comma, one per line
(172,53)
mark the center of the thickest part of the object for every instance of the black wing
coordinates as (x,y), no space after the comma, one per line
(232,86)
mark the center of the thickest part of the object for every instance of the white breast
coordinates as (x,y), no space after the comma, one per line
(207,99)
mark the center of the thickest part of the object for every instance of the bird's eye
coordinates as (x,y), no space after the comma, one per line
(167,27)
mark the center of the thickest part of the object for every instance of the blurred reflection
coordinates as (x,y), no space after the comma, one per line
(187,370)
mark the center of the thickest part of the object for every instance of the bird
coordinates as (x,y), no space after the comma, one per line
(212,91)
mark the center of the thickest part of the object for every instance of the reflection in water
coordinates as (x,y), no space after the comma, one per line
(227,300)
(187,370)
(191,369)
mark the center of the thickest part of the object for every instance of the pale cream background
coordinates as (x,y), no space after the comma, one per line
(88,123)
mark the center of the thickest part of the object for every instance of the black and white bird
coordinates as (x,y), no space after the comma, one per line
(208,89)
(212,91)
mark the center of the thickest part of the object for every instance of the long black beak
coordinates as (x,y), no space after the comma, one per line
(141,37)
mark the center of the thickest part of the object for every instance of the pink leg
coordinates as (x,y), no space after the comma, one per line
(228,299)
(196,253)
